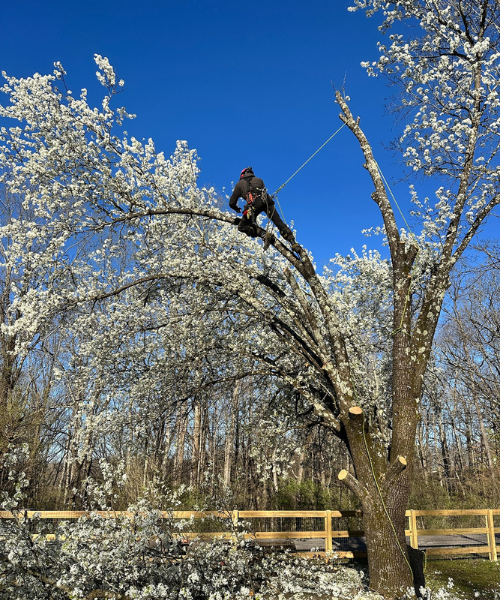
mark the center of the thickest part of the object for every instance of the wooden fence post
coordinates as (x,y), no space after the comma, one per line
(328,531)
(492,546)
(234,517)
(413,530)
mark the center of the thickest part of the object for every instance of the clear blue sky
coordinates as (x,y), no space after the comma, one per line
(243,83)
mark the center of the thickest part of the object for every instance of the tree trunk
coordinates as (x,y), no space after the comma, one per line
(388,562)
(484,437)
(182,423)
(196,456)
(445,454)
(384,492)
(420,450)
(230,435)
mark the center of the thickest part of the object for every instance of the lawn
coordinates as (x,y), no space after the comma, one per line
(477,579)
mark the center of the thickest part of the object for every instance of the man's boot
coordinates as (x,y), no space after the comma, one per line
(290,238)
(268,238)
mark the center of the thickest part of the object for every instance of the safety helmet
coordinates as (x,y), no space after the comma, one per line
(242,174)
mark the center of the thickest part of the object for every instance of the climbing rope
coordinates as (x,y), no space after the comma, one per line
(275,195)
(394,198)
(407,301)
(414,239)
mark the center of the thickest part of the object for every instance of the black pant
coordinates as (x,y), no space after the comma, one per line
(249,225)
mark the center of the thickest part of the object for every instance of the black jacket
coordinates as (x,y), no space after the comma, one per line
(242,188)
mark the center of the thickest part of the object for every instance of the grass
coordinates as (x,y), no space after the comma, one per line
(477,579)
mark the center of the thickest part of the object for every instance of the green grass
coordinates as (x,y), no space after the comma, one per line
(477,579)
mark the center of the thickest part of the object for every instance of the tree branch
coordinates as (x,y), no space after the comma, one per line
(380,193)
(397,467)
(354,485)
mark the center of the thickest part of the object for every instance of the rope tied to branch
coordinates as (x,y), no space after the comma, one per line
(275,195)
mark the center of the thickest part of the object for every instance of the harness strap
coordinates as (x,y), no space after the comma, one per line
(252,196)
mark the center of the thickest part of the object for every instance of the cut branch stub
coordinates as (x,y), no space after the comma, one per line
(397,467)
(354,485)
(355,412)
(356,419)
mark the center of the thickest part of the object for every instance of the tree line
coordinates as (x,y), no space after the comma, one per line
(236,433)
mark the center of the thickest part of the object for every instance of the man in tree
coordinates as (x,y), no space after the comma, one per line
(253,190)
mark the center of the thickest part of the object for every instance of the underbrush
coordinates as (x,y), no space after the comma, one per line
(136,557)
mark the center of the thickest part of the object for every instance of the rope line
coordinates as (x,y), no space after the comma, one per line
(414,238)
(382,498)
(275,195)
(394,198)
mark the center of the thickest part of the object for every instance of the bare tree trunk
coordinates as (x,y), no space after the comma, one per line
(166,448)
(445,454)
(196,456)
(484,437)
(420,450)
(469,426)
(182,423)
(231,433)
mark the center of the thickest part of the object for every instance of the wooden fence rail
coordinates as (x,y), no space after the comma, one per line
(327,533)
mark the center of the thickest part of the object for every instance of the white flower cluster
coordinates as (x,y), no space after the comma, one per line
(134,556)
(449,76)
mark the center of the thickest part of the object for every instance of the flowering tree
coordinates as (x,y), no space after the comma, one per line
(157,268)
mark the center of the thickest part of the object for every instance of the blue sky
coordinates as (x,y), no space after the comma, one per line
(243,83)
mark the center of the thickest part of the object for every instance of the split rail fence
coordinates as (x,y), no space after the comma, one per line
(330,536)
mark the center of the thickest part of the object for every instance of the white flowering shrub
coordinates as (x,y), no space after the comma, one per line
(165,299)
(136,556)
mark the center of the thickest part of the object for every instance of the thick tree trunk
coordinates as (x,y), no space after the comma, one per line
(384,502)
(388,562)
(383,491)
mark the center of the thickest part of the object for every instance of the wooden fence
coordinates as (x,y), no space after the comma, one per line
(328,533)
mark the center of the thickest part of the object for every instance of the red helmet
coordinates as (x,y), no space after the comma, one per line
(242,174)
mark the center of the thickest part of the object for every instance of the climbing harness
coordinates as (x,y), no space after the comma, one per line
(252,194)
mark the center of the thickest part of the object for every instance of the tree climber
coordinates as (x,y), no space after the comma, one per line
(253,190)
